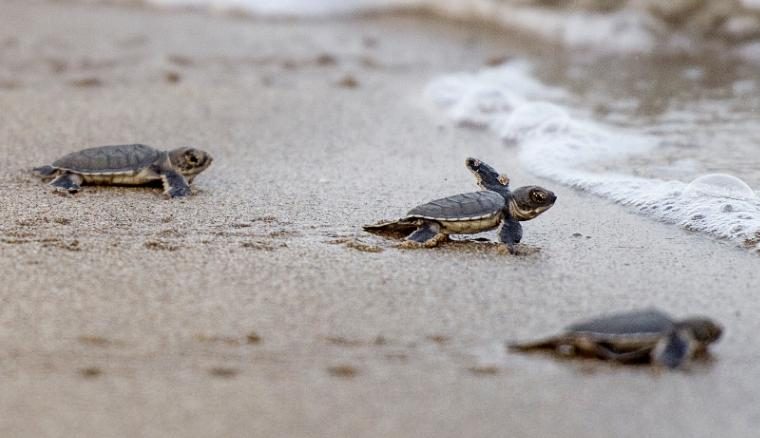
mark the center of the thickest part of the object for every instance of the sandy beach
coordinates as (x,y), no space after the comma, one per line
(258,307)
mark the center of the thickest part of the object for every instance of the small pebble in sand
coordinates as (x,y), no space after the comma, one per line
(326,59)
(95,341)
(439,339)
(348,81)
(57,65)
(343,342)
(180,60)
(172,77)
(90,372)
(482,370)
(253,338)
(343,371)
(496,60)
(86,82)
(223,372)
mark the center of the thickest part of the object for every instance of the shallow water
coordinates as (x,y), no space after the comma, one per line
(645,133)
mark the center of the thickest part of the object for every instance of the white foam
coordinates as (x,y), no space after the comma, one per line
(567,149)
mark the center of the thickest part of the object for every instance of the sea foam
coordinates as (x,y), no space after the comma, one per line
(570,149)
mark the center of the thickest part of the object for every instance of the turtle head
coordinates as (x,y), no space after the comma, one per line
(487,177)
(528,202)
(704,330)
(190,161)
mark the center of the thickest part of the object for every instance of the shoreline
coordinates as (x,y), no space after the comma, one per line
(242,310)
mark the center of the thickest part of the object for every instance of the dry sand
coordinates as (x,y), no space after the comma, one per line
(250,309)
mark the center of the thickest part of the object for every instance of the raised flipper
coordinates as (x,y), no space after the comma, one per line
(674,350)
(510,234)
(68,182)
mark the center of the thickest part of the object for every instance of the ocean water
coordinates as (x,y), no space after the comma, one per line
(627,31)
(631,29)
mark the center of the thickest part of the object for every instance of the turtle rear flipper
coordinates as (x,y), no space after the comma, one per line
(552,343)
(68,182)
(45,171)
(674,349)
(395,229)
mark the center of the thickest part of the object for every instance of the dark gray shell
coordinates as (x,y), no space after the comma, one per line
(637,324)
(460,207)
(109,159)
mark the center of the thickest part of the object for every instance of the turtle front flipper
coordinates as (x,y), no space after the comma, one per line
(68,182)
(674,349)
(175,185)
(510,234)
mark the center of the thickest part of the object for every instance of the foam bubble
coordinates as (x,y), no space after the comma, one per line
(719,185)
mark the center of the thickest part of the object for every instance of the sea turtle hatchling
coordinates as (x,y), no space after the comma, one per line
(469,213)
(133,164)
(639,336)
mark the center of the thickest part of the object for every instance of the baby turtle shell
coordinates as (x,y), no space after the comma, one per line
(104,160)
(464,213)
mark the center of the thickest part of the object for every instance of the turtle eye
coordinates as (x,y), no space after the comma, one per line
(192,159)
(538,196)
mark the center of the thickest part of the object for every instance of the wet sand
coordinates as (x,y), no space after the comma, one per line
(258,307)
